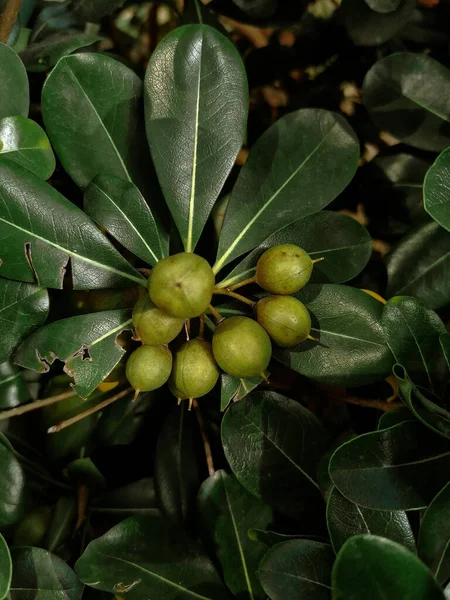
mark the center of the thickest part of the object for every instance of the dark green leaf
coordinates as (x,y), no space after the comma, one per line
(434,536)
(83,471)
(94,10)
(436,190)
(342,241)
(419,266)
(273,445)
(196,103)
(177,473)
(297,569)
(23,308)
(119,207)
(390,469)
(91,110)
(351,349)
(5,568)
(298,166)
(416,87)
(54,17)
(228,511)
(394,417)
(86,344)
(13,390)
(383,6)
(61,523)
(144,558)
(39,574)
(12,491)
(136,498)
(271,538)
(122,421)
(44,231)
(14,79)
(24,142)
(383,569)
(445,345)
(40,56)
(346,519)
(233,389)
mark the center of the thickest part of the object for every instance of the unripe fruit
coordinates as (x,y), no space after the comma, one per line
(285,319)
(148,367)
(284,269)
(241,347)
(195,371)
(182,285)
(154,326)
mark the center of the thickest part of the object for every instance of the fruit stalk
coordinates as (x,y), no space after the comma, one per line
(228,292)
(20,410)
(206,444)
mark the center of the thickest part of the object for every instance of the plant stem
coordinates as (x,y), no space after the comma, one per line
(187,328)
(247,281)
(8,18)
(89,411)
(20,410)
(228,292)
(316,260)
(206,444)
(201,329)
(378,404)
(216,314)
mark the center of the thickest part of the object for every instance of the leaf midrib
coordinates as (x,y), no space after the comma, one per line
(350,337)
(294,576)
(22,299)
(424,272)
(395,466)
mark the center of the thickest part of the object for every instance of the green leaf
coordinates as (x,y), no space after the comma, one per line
(23,308)
(24,142)
(38,574)
(14,79)
(383,6)
(13,390)
(196,103)
(271,538)
(61,523)
(273,445)
(444,340)
(228,511)
(146,558)
(390,470)
(12,492)
(94,10)
(44,231)
(40,56)
(434,536)
(119,207)
(177,472)
(5,568)
(346,519)
(436,187)
(412,333)
(54,17)
(342,241)
(298,166)
(135,498)
(351,349)
(416,87)
(383,569)
(297,569)
(394,417)
(86,344)
(419,266)
(122,421)
(233,389)
(90,106)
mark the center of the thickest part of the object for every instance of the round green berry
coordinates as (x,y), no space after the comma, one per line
(182,285)
(148,367)
(195,372)
(284,269)
(152,325)
(241,347)
(285,319)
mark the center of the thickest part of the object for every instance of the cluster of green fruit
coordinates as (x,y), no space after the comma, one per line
(181,287)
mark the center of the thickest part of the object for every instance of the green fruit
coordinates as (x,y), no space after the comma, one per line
(182,285)
(148,367)
(284,269)
(154,326)
(195,371)
(241,347)
(285,319)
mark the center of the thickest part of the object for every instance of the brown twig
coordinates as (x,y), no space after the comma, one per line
(7,18)
(82,503)
(216,314)
(378,404)
(20,410)
(201,328)
(206,444)
(228,292)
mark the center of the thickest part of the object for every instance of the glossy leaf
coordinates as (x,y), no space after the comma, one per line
(53,18)
(23,308)
(24,142)
(228,511)
(390,470)
(234,389)
(383,6)
(12,492)
(39,574)
(342,241)
(40,56)
(383,569)
(94,10)
(416,87)
(351,349)
(297,569)
(273,445)
(87,344)
(14,79)
(91,110)
(13,390)
(45,231)
(436,190)
(136,498)
(147,558)
(119,207)
(5,568)
(444,340)
(61,523)
(394,417)
(346,519)
(122,421)
(177,472)
(196,103)
(419,266)
(298,166)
